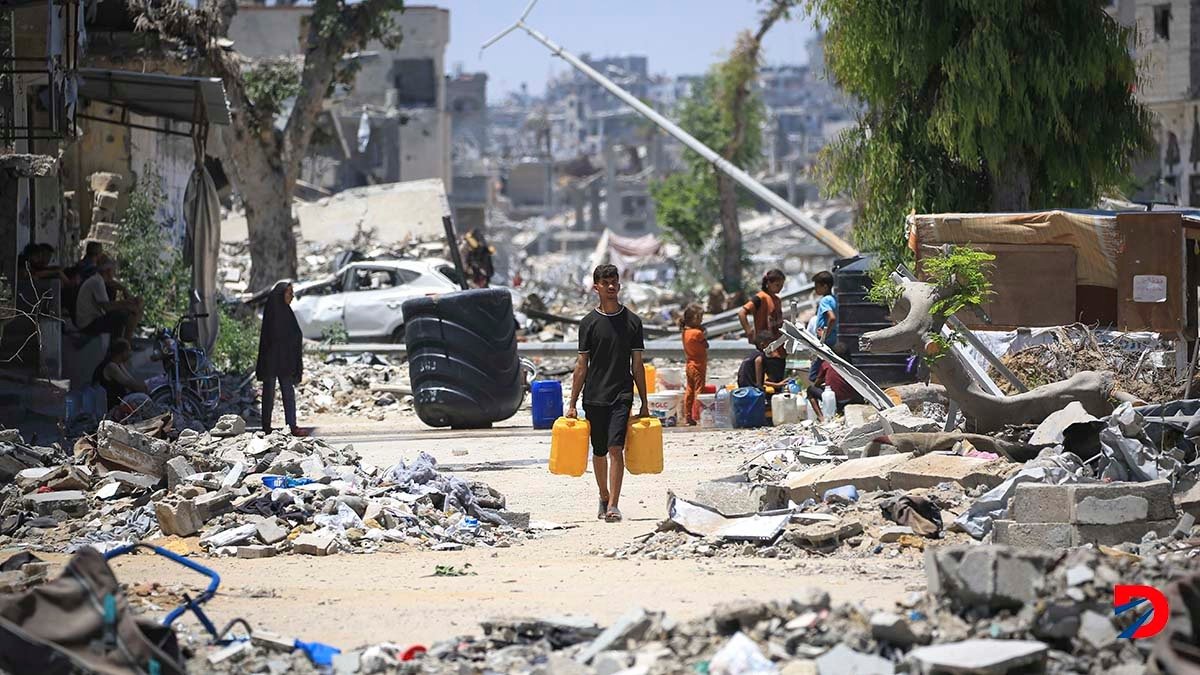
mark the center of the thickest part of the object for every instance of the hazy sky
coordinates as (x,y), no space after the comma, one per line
(677,36)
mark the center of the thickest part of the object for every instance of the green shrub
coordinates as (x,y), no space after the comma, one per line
(151,267)
(236,349)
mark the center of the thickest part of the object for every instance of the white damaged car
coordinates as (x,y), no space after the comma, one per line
(364,298)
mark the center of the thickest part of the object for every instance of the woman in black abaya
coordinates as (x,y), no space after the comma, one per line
(280,347)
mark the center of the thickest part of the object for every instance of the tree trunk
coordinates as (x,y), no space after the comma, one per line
(731,231)
(270,225)
(1010,185)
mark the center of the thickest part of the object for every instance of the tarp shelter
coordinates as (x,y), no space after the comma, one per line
(1131,270)
(201,102)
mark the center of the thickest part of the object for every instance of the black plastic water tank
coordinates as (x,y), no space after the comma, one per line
(857,315)
(462,358)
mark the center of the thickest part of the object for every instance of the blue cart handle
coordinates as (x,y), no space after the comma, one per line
(215,581)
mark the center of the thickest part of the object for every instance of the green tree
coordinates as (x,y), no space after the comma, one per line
(724,112)
(1001,105)
(150,265)
(267,158)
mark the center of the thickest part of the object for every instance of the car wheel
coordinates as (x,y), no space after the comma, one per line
(398,335)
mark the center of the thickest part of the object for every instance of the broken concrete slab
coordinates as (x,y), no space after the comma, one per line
(213,504)
(899,630)
(823,535)
(1187,499)
(901,420)
(982,657)
(736,496)
(319,543)
(179,517)
(231,536)
(933,469)
(892,534)
(867,474)
(177,470)
(269,532)
(255,551)
(139,452)
(859,414)
(229,425)
(71,502)
(799,484)
(992,576)
(842,659)
(1114,535)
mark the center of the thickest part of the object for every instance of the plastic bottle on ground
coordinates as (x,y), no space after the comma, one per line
(828,403)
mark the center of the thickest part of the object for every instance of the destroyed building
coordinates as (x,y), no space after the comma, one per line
(393,124)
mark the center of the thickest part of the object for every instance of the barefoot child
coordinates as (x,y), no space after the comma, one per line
(695,348)
(609,363)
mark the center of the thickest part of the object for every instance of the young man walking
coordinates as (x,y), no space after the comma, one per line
(609,363)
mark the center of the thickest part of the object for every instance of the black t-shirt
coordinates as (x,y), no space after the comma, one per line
(609,340)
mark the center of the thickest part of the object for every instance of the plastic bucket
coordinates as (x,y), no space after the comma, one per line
(665,406)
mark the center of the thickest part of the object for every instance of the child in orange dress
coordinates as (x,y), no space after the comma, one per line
(695,348)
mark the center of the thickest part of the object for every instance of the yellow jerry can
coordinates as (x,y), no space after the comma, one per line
(569,446)
(644,446)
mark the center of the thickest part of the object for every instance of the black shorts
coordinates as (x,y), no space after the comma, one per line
(607,424)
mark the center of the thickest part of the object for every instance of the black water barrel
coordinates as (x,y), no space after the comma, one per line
(462,358)
(857,315)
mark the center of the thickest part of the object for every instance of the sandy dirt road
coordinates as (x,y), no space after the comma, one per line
(350,600)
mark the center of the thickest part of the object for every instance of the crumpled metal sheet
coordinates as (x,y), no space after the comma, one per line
(1130,455)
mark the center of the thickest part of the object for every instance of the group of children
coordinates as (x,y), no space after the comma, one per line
(762,320)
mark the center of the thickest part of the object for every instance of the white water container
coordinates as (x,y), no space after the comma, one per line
(828,403)
(785,409)
(708,410)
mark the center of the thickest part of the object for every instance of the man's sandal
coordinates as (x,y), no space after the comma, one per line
(602,510)
(613,515)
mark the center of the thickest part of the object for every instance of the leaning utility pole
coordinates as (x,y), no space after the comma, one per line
(835,243)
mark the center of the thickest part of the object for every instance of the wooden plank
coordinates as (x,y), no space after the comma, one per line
(1033,285)
(1151,246)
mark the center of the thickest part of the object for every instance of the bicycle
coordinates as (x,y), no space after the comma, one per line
(193,385)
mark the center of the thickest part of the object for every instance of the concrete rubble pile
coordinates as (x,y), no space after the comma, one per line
(988,609)
(245,494)
(889,483)
(363,384)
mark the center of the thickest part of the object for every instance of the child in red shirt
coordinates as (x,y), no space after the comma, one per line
(695,348)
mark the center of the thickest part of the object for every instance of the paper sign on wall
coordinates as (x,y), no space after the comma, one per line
(1149,288)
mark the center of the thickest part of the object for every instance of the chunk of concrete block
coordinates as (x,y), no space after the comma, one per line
(178,517)
(859,436)
(229,425)
(933,469)
(799,484)
(70,502)
(1124,502)
(1041,503)
(1033,535)
(255,551)
(992,576)
(178,469)
(899,630)
(133,450)
(234,535)
(859,414)
(269,532)
(213,504)
(842,659)
(631,626)
(901,420)
(317,543)
(983,657)
(868,474)
(1187,499)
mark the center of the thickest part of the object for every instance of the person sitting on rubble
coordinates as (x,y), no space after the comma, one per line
(280,356)
(477,258)
(766,308)
(113,375)
(96,312)
(761,369)
(828,377)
